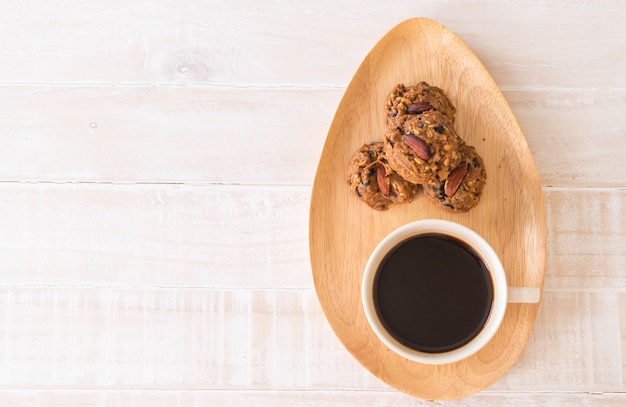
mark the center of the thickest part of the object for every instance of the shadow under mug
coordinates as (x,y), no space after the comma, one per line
(421,289)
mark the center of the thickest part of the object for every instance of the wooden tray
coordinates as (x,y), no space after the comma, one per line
(511,215)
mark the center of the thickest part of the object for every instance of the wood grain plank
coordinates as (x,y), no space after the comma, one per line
(191,135)
(68,338)
(211,339)
(575,343)
(245,398)
(622,330)
(586,239)
(582,128)
(237,42)
(162,134)
(145,235)
(231,236)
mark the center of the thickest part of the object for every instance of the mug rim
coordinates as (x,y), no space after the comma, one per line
(468,237)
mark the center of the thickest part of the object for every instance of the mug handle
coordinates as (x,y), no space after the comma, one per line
(529,295)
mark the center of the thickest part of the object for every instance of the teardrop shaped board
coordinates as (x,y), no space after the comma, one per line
(511,214)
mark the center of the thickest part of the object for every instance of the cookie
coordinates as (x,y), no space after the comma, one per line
(373,181)
(425,149)
(404,102)
(461,190)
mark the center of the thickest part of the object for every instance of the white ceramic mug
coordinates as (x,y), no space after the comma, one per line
(502,293)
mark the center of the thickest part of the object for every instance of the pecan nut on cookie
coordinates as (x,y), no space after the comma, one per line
(373,181)
(425,148)
(461,190)
(404,102)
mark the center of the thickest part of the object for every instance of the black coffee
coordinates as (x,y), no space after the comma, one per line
(433,293)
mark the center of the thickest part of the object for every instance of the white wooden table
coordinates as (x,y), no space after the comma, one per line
(156,167)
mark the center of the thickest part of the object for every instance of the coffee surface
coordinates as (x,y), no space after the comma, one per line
(433,293)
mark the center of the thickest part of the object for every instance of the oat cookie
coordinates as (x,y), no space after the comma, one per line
(461,190)
(425,149)
(373,181)
(406,101)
